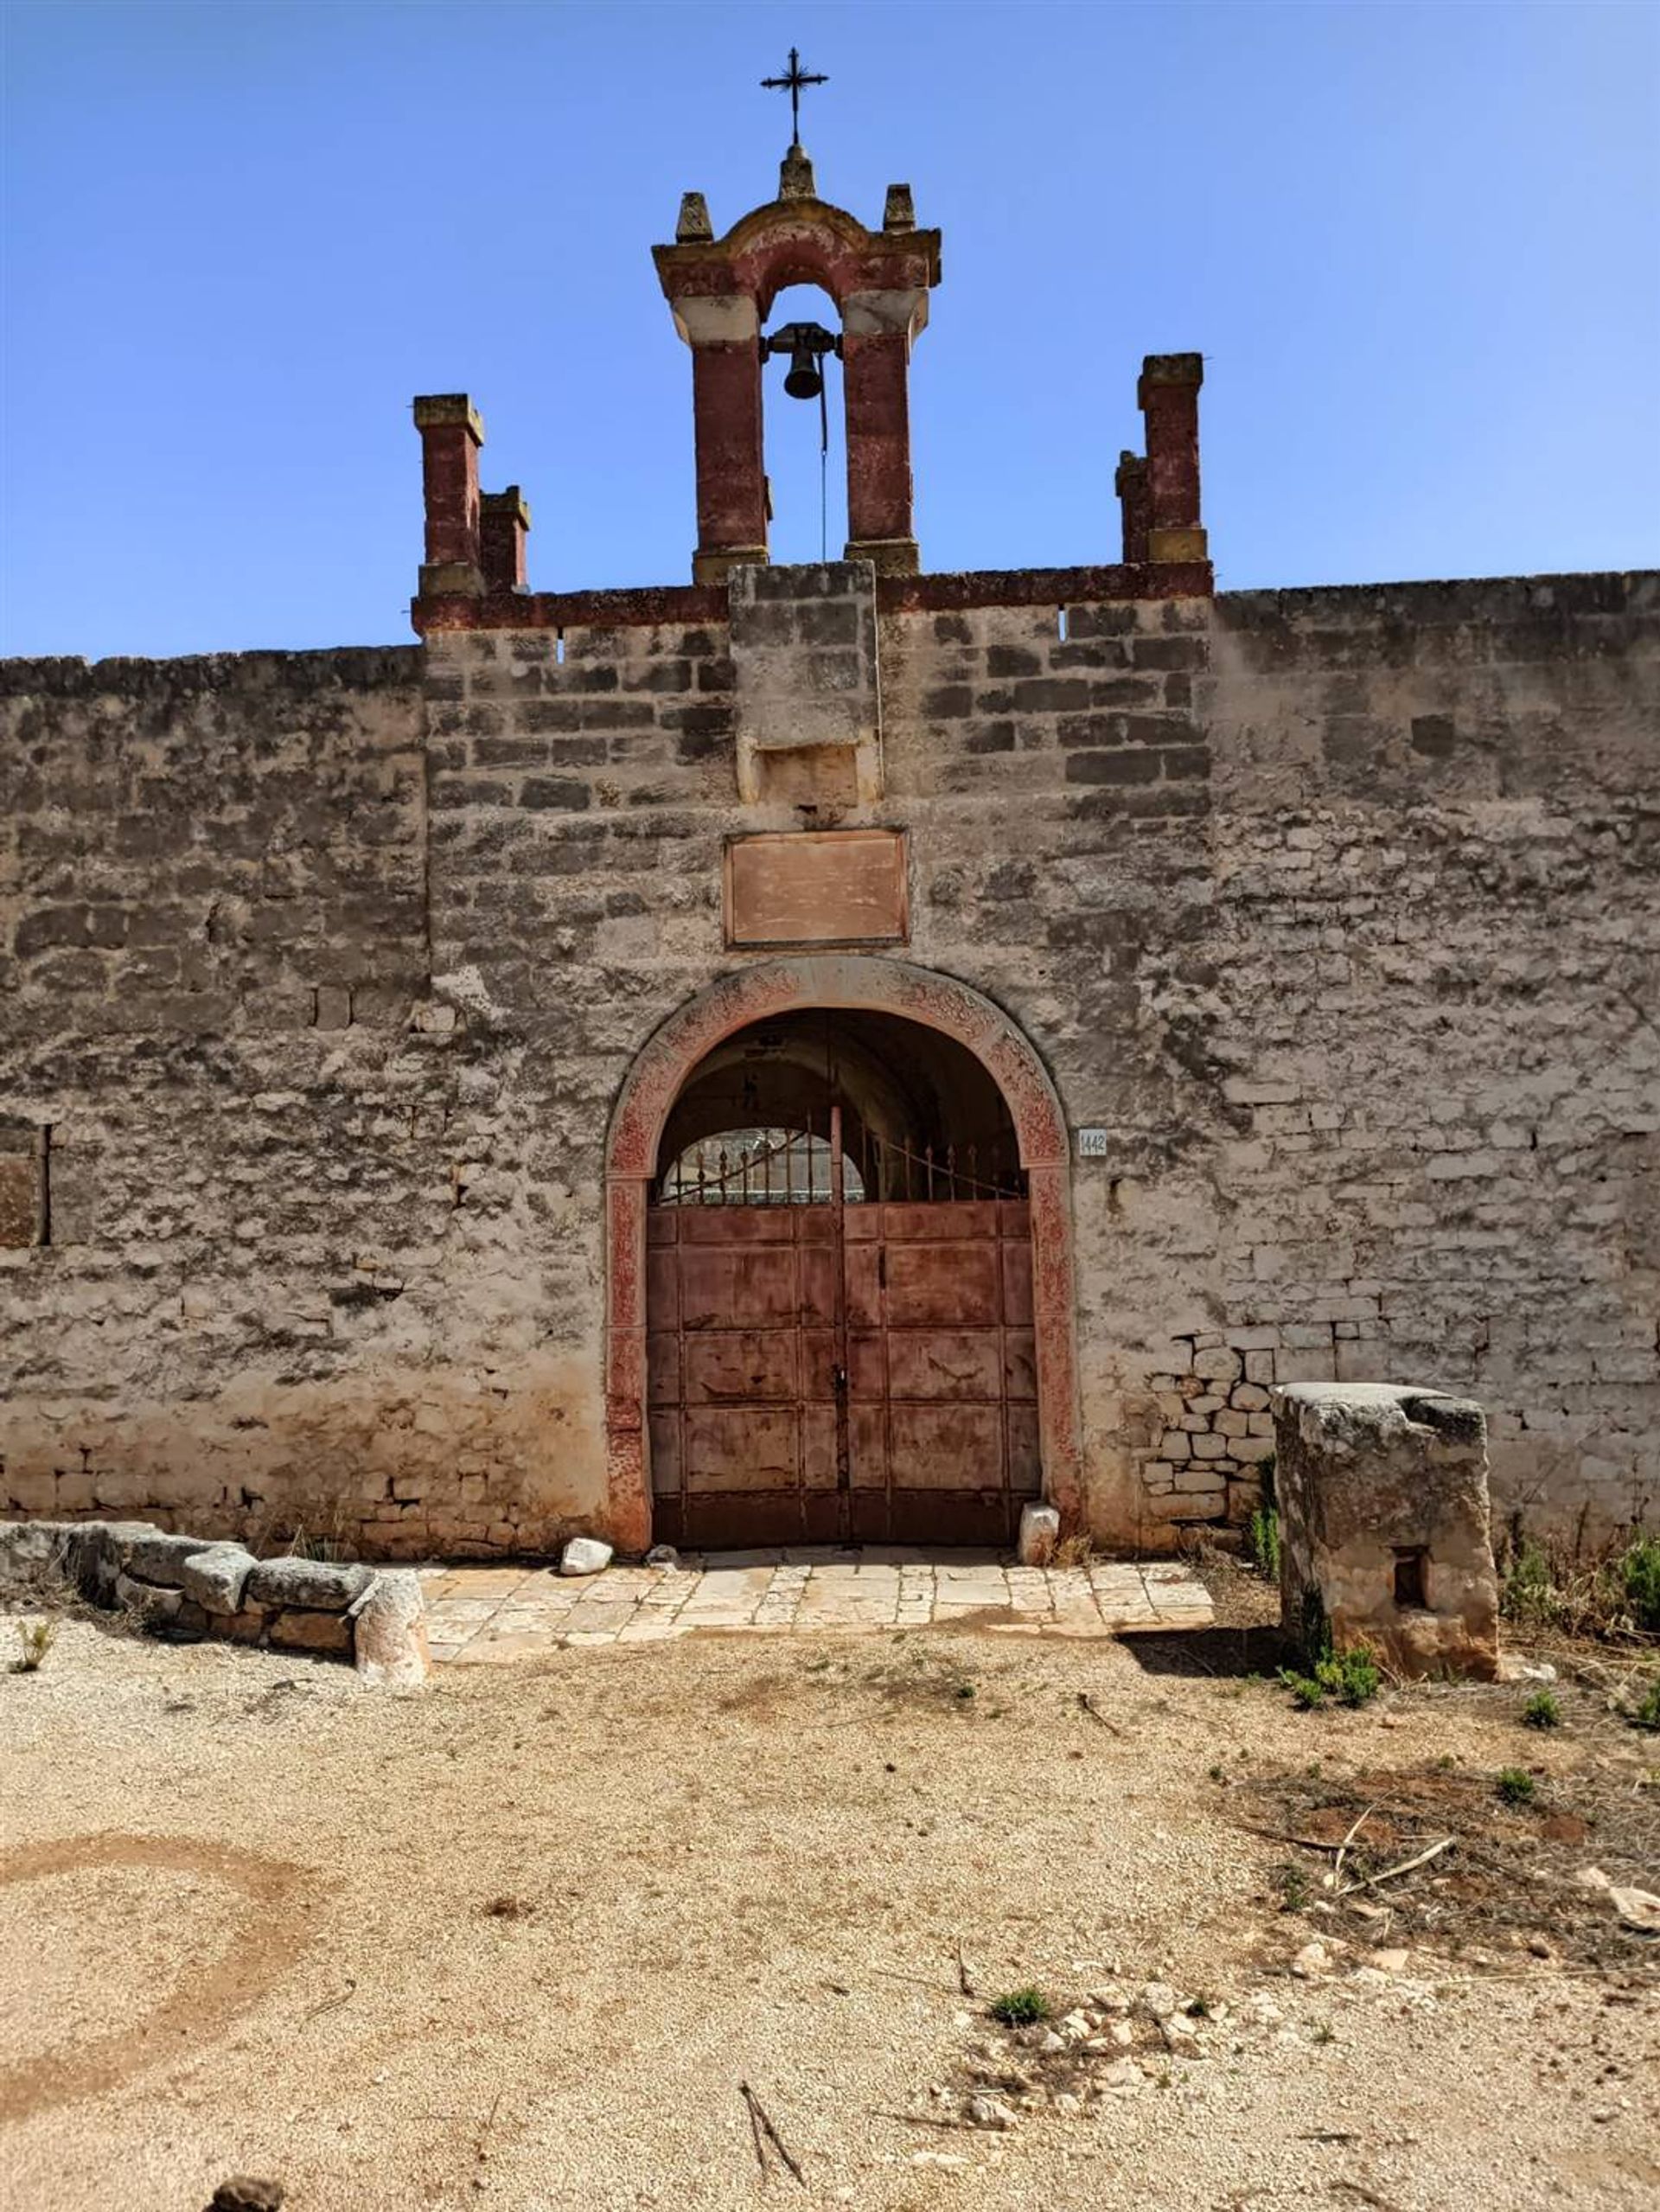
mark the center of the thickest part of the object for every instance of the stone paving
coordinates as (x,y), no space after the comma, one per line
(482,1615)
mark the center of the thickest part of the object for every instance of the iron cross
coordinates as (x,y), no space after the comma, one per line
(791,82)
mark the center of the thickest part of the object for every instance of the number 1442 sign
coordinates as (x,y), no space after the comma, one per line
(1092,1144)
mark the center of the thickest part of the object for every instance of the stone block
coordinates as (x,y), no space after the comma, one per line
(1040,1531)
(304,1631)
(389,1633)
(33,1551)
(1383,1524)
(314,1585)
(583,1555)
(215,1577)
(161,1558)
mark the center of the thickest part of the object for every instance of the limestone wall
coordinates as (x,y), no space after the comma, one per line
(1337,910)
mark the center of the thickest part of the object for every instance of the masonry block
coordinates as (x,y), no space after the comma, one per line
(1383,1524)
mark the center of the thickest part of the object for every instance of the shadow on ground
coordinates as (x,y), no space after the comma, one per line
(1226,1651)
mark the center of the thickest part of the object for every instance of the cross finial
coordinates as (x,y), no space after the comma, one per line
(791,82)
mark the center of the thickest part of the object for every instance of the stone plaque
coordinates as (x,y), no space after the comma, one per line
(817,887)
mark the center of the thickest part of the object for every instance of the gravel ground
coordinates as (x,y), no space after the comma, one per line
(517,1943)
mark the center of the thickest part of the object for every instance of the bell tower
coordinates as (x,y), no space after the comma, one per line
(721,290)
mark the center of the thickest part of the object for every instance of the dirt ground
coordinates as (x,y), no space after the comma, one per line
(519,1942)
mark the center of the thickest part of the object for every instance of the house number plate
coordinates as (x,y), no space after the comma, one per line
(1092,1144)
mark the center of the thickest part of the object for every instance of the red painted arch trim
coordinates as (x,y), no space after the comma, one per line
(655,1080)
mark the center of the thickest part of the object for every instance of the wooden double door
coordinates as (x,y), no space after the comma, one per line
(827,1371)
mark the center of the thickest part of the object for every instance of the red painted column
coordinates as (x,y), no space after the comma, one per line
(1168,396)
(628,1515)
(876,373)
(1054,1316)
(503,527)
(451,434)
(1131,485)
(731,460)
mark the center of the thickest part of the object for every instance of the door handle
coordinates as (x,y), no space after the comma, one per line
(839,1381)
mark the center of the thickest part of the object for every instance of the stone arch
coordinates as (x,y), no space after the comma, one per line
(843,981)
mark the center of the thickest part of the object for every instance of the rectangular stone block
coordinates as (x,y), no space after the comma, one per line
(1383,1524)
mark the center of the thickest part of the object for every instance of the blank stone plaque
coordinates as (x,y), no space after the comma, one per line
(817,887)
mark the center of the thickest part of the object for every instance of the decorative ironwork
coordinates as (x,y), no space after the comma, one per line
(795,1167)
(794,78)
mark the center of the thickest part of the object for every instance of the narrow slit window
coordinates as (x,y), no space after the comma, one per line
(1061,624)
(1411,1576)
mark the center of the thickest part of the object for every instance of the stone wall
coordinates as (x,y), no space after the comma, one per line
(1335,910)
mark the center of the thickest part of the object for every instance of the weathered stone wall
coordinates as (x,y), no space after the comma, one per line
(1335,909)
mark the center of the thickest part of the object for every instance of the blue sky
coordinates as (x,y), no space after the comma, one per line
(1419,247)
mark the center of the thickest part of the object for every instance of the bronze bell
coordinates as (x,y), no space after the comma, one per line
(807,343)
(805,379)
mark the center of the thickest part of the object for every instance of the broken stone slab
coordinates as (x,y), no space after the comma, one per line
(1639,1909)
(299,1631)
(389,1632)
(159,1557)
(306,1585)
(215,1576)
(147,1602)
(585,1554)
(1040,1531)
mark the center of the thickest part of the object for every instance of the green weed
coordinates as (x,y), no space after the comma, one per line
(1021,2008)
(1516,1785)
(1262,1541)
(1349,1677)
(1541,1710)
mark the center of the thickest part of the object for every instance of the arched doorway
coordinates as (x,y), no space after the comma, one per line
(840,1301)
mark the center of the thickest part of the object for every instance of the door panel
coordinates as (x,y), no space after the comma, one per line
(819,1371)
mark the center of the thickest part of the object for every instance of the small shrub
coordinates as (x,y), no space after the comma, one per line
(1516,1785)
(1349,1678)
(1322,2032)
(36,1639)
(1021,2008)
(1541,1710)
(1645,1713)
(1294,1888)
(1528,1591)
(1637,1569)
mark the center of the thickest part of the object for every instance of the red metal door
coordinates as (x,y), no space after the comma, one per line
(825,1371)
